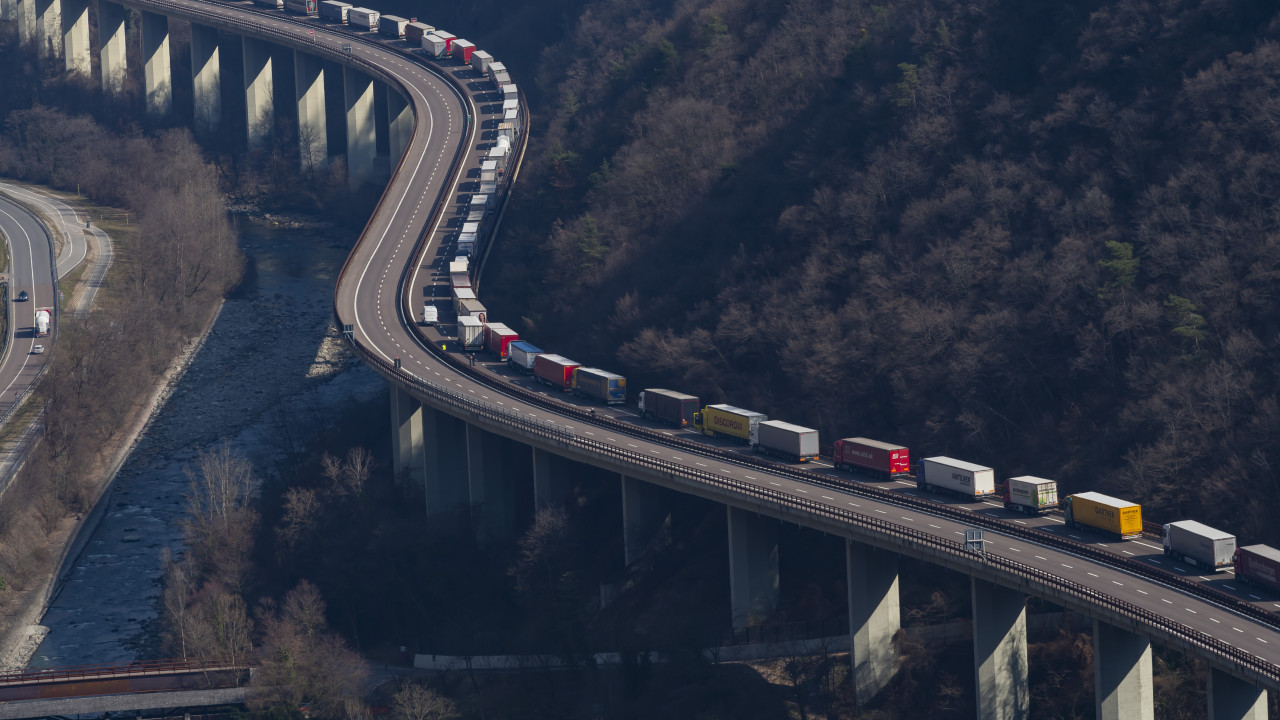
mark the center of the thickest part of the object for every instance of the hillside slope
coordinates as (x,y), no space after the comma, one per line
(1043,239)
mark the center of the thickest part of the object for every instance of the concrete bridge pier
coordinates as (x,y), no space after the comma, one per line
(313,130)
(408,450)
(48,35)
(874,617)
(8,10)
(111,47)
(362,138)
(24,12)
(492,494)
(155,63)
(260,115)
(643,515)
(1000,651)
(206,78)
(399,124)
(550,488)
(1122,682)
(75,36)
(1233,699)
(753,567)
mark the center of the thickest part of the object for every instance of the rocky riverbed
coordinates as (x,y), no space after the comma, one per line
(271,374)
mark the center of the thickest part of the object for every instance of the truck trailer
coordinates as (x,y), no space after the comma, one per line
(1095,511)
(277,4)
(335,10)
(1030,495)
(522,355)
(434,45)
(1259,565)
(729,421)
(498,339)
(872,457)
(474,308)
(415,31)
(668,406)
(462,49)
(1199,545)
(555,370)
(44,320)
(363,17)
(471,333)
(480,60)
(787,441)
(302,7)
(392,26)
(600,385)
(956,477)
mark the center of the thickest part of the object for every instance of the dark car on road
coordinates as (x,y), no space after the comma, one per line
(22,296)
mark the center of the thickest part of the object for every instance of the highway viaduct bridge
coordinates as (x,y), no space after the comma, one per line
(454,425)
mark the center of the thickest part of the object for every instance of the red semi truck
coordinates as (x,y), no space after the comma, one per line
(555,370)
(1258,565)
(872,457)
(497,337)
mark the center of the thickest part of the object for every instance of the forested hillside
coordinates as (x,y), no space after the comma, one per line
(1042,238)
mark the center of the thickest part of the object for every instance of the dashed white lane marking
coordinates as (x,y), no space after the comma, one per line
(828,497)
(1093,574)
(1144,592)
(1166,601)
(1066,566)
(855,504)
(936,527)
(1041,557)
(1216,620)
(904,517)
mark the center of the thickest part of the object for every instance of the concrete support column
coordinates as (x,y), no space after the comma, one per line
(1000,651)
(1122,674)
(8,10)
(48,28)
(155,63)
(1233,699)
(260,116)
(874,617)
(25,14)
(399,124)
(111,46)
(313,130)
(407,449)
(206,78)
(753,567)
(492,498)
(75,36)
(549,486)
(643,515)
(362,138)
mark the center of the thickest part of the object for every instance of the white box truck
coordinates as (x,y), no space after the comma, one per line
(1030,495)
(1199,545)
(471,332)
(362,17)
(335,10)
(956,477)
(787,441)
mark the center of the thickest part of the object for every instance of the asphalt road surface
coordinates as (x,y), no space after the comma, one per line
(32,271)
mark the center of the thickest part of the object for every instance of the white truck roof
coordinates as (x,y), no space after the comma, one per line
(958,464)
(788,426)
(1105,500)
(1202,530)
(736,410)
(1032,480)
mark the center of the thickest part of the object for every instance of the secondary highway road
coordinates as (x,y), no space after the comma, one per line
(31,270)
(382,270)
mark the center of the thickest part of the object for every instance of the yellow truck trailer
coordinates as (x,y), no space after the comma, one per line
(1096,511)
(729,421)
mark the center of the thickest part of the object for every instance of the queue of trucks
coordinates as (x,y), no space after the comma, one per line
(1186,541)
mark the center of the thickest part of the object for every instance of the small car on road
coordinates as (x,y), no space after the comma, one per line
(23,296)
(37,349)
